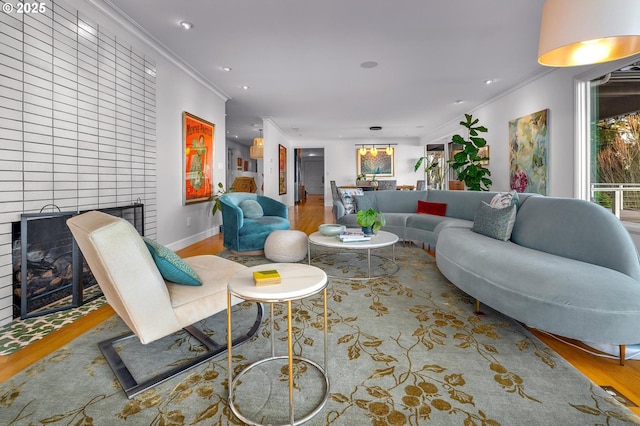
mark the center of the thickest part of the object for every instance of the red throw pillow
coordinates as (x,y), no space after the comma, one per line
(428,207)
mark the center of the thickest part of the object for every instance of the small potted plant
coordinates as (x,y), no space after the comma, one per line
(370,220)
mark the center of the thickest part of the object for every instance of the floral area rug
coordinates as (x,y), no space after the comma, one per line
(405,349)
(23,332)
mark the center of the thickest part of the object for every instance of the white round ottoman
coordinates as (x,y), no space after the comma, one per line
(286,246)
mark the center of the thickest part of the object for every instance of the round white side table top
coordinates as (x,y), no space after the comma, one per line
(381,239)
(298,281)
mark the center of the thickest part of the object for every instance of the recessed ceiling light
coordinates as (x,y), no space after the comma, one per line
(369,64)
(487,82)
(186,25)
(245,87)
(458,101)
(226,69)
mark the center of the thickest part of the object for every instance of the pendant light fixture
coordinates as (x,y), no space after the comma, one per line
(582,32)
(389,150)
(257,150)
(374,151)
(363,150)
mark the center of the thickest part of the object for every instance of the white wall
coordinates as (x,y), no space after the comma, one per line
(77,121)
(553,91)
(273,137)
(177,90)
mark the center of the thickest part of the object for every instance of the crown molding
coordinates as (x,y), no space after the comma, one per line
(270,120)
(135,29)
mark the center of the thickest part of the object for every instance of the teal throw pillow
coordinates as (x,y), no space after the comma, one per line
(251,209)
(493,222)
(171,267)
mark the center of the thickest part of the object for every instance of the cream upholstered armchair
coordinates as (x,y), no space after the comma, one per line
(149,305)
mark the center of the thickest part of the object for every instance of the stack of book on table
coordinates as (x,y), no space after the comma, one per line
(268,277)
(352,236)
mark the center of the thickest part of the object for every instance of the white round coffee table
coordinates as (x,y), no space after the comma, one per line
(298,281)
(379,240)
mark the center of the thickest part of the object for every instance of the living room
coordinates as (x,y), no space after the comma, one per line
(41,164)
(178,88)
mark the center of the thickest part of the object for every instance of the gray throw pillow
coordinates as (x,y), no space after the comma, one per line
(494,223)
(251,209)
(366,202)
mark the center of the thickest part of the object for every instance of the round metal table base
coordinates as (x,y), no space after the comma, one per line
(307,417)
(368,272)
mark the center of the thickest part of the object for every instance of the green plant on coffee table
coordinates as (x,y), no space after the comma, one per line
(216,197)
(371,219)
(467,163)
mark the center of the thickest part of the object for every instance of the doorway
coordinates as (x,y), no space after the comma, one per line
(309,173)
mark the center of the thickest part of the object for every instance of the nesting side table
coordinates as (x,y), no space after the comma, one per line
(298,281)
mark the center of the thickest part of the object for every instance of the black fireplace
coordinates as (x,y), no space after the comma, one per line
(56,277)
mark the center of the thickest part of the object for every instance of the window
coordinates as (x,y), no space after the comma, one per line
(613,153)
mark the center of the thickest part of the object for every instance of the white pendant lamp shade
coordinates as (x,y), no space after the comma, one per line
(257,150)
(581,32)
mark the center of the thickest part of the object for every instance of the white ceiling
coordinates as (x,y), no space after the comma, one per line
(302,59)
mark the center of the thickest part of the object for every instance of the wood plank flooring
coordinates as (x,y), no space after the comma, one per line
(306,217)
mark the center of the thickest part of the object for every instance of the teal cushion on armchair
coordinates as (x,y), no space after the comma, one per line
(251,209)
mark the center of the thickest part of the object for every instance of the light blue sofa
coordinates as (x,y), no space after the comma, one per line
(242,234)
(570,267)
(399,208)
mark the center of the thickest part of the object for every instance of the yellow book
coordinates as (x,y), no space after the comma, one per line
(267,277)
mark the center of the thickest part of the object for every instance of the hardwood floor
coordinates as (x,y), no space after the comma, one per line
(306,217)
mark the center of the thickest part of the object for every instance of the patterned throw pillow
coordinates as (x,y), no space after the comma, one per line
(251,209)
(347,196)
(171,267)
(505,199)
(429,207)
(493,222)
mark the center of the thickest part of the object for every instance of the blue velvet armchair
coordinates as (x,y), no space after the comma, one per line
(243,234)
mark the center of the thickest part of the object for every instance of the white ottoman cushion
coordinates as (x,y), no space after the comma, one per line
(286,246)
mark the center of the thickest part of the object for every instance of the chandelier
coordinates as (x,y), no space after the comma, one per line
(256,151)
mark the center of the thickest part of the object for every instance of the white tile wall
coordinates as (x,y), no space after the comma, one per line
(77,122)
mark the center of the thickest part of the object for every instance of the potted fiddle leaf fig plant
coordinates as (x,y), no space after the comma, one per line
(370,220)
(468,163)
